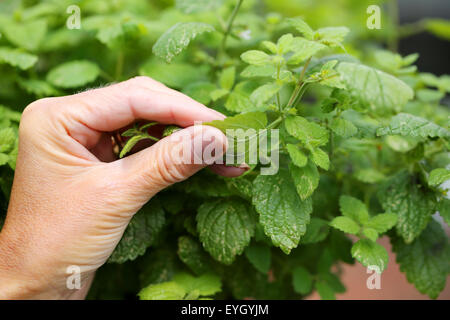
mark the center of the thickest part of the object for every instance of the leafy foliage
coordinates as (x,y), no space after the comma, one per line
(363,144)
(140,233)
(426,260)
(225,228)
(412,203)
(73,74)
(283,214)
(177,38)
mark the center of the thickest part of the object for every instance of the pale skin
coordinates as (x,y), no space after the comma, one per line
(72,199)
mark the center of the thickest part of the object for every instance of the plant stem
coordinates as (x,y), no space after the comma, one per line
(229,27)
(302,75)
(278,93)
(393,13)
(331,144)
(106,76)
(299,85)
(407,30)
(275,123)
(118,141)
(119,65)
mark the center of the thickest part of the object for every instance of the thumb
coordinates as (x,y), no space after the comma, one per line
(173,159)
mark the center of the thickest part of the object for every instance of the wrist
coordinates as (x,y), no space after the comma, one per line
(15,282)
(20,279)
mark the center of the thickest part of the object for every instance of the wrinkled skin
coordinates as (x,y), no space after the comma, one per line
(72,199)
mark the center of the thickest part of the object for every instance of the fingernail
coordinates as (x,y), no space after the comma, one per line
(244,166)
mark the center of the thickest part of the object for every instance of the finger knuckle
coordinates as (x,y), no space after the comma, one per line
(167,172)
(34,111)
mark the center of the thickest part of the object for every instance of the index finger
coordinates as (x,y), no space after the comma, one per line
(111,108)
(140,98)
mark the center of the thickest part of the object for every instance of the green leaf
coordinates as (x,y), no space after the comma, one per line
(426,261)
(163,291)
(255,57)
(382,222)
(325,261)
(408,125)
(297,156)
(4,158)
(131,143)
(438,176)
(320,158)
(343,128)
(227,78)
(176,74)
(370,233)
(242,186)
(38,87)
(177,38)
(302,280)
(327,76)
(200,91)
(369,175)
(370,254)
(73,74)
(388,61)
(158,265)
(401,144)
(206,285)
(345,224)
(332,281)
(197,6)
(411,202)
(7,140)
(283,214)
(238,102)
(239,99)
(259,256)
(264,93)
(251,120)
(331,36)
(258,71)
(218,94)
(284,43)
(192,254)
(120,34)
(439,27)
(316,231)
(376,89)
(17,58)
(141,233)
(354,208)
(301,27)
(269,45)
(306,179)
(303,49)
(6,114)
(27,35)
(225,228)
(325,291)
(430,95)
(310,133)
(444,210)
(442,82)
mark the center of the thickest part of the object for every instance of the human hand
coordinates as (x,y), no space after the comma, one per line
(71,199)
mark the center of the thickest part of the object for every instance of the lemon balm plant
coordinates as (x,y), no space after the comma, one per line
(363,146)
